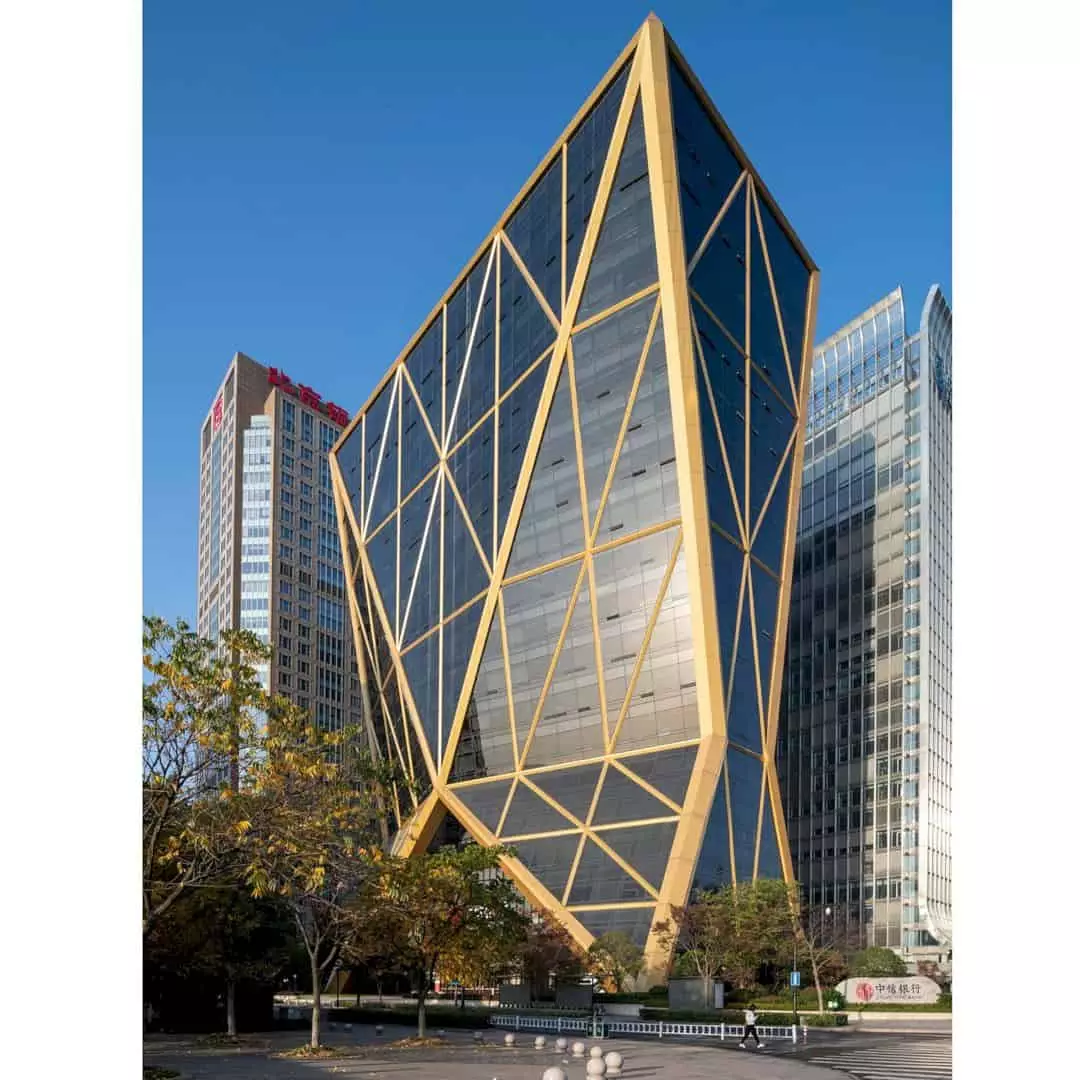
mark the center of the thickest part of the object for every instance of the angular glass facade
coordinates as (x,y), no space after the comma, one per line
(866,721)
(570,519)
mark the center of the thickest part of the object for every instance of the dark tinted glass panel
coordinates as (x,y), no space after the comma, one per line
(425,368)
(472,467)
(606,359)
(551,523)
(667,770)
(486,801)
(622,799)
(765,346)
(766,596)
(423,610)
(714,861)
(744,780)
(728,564)
(415,515)
(382,551)
(349,462)
(720,276)
(707,168)
(535,230)
(549,860)
(535,610)
(460,316)
(464,575)
(628,580)
(418,452)
(634,922)
(644,488)
(415,755)
(744,726)
(385,477)
(768,852)
(529,813)
(478,385)
(727,378)
(525,331)
(646,848)
(422,672)
(624,260)
(570,727)
(663,704)
(769,542)
(572,789)
(375,427)
(770,431)
(792,280)
(485,747)
(585,155)
(600,880)
(459,636)
(717,486)
(517,414)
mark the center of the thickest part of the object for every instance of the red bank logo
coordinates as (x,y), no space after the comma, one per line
(864,991)
(308,396)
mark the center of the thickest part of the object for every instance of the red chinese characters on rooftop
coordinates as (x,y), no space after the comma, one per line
(308,396)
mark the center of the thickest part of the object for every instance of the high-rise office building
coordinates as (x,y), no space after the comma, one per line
(865,751)
(570,517)
(269,546)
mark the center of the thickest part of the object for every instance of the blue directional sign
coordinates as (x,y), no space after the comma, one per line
(795,978)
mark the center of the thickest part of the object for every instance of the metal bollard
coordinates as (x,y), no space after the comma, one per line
(595,1068)
(554,1073)
(804,1033)
(539,1042)
(378,1029)
(613,1060)
(561,1044)
(578,1049)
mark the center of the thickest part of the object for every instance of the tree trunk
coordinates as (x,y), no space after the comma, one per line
(230,1006)
(421,1014)
(316,1004)
(817,984)
(378,986)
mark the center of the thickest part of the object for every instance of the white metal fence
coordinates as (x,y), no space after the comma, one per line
(659,1028)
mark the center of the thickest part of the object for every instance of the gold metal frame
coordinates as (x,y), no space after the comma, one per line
(646,59)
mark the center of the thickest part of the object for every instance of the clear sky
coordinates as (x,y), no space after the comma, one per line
(317,172)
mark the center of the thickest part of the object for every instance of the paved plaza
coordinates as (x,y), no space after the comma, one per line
(862,1056)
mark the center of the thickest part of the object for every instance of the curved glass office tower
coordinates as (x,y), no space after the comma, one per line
(568,517)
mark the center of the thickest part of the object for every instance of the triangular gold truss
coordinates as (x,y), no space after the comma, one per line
(554,821)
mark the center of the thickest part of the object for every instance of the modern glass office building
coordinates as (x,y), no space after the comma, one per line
(865,749)
(568,517)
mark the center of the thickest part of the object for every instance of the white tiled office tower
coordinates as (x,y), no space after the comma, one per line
(269,553)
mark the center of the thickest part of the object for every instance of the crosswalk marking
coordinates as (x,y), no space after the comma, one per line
(929,1060)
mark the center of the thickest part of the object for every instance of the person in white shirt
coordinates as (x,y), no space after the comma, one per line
(751,1028)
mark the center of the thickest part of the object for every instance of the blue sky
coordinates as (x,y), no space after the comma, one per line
(316,173)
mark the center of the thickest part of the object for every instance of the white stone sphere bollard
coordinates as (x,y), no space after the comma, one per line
(578,1049)
(613,1061)
(539,1042)
(561,1044)
(554,1073)
(596,1052)
(595,1068)
(509,1038)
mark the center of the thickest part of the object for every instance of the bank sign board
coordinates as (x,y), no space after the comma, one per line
(908,990)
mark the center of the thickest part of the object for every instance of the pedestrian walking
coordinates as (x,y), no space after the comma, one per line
(751,1028)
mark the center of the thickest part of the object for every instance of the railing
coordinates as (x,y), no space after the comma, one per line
(659,1028)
